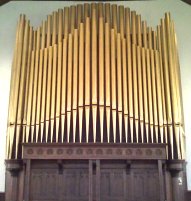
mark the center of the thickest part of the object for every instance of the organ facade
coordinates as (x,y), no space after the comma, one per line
(95,99)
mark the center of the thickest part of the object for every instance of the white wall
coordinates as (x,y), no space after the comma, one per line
(151,11)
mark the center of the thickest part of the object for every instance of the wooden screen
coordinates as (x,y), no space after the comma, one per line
(102,180)
(95,73)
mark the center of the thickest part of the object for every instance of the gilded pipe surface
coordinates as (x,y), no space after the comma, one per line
(95,68)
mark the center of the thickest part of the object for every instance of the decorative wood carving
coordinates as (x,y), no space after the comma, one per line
(94,151)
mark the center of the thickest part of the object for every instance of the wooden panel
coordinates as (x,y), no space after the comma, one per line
(112,181)
(145,185)
(94,151)
(75,185)
(112,184)
(44,184)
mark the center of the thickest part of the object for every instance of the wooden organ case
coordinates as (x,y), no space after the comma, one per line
(95,109)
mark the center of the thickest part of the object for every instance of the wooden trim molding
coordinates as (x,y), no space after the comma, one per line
(94,151)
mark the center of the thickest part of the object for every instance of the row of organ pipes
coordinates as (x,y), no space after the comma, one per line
(95,73)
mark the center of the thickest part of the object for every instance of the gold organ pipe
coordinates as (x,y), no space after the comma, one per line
(179,95)
(58,88)
(54,28)
(130,70)
(140,92)
(163,100)
(107,13)
(114,17)
(133,27)
(18,64)
(149,91)
(44,84)
(107,66)
(139,37)
(135,90)
(125,87)
(154,98)
(63,91)
(81,65)
(162,84)
(39,93)
(30,95)
(101,62)
(145,92)
(43,35)
(154,40)
(113,81)
(11,120)
(159,94)
(13,78)
(100,11)
(165,69)
(144,30)
(48,96)
(94,69)
(34,40)
(121,21)
(94,57)
(119,84)
(53,91)
(167,86)
(60,25)
(75,79)
(81,78)
(101,72)
(79,15)
(107,75)
(69,84)
(86,11)
(149,33)
(13,128)
(27,83)
(173,81)
(38,38)
(72,19)
(66,22)
(48,38)
(35,89)
(87,75)
(139,75)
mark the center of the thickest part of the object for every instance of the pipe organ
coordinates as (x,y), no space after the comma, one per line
(95,73)
(95,109)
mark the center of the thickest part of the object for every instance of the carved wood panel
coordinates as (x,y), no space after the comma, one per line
(112,185)
(44,184)
(118,182)
(144,185)
(74,185)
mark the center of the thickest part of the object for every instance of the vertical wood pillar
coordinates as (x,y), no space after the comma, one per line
(161,181)
(27,180)
(98,183)
(90,180)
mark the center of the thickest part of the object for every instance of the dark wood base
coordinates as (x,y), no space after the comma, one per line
(97,172)
(2,196)
(188,195)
